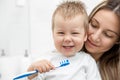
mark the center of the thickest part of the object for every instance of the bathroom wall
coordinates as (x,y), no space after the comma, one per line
(14,27)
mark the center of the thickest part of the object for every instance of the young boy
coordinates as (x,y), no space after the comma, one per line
(69,25)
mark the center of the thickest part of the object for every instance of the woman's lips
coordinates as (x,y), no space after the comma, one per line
(92,44)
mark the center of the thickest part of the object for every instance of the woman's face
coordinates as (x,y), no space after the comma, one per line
(103,32)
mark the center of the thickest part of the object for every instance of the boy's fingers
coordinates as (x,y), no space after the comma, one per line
(30,68)
(32,76)
(42,66)
(40,69)
(50,66)
(46,67)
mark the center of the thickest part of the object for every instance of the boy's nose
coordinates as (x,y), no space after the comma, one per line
(67,38)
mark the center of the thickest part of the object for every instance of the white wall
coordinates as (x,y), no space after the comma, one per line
(26,25)
(41,37)
(14,27)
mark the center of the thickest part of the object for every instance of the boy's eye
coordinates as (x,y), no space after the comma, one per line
(60,32)
(75,33)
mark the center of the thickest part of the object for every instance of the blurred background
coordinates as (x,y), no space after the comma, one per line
(25,32)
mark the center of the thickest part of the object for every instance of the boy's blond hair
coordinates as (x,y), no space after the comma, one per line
(70,9)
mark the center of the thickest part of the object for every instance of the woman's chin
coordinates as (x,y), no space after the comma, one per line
(89,49)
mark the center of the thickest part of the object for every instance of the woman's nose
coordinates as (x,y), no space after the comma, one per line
(96,36)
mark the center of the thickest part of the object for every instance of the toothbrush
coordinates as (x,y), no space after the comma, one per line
(25,74)
(62,64)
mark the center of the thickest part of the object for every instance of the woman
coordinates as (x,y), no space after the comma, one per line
(104,38)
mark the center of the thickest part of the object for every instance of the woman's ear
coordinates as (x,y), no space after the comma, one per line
(118,42)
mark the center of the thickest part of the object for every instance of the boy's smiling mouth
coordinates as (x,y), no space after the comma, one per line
(68,47)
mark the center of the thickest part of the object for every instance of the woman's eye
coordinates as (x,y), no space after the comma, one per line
(108,35)
(93,24)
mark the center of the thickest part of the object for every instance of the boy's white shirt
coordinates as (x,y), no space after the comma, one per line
(82,67)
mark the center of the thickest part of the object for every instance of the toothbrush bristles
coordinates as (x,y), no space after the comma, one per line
(64,63)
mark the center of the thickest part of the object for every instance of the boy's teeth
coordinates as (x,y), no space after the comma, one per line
(67,46)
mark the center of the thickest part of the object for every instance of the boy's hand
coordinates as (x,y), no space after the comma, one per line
(42,66)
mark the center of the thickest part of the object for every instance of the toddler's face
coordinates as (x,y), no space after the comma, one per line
(69,35)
